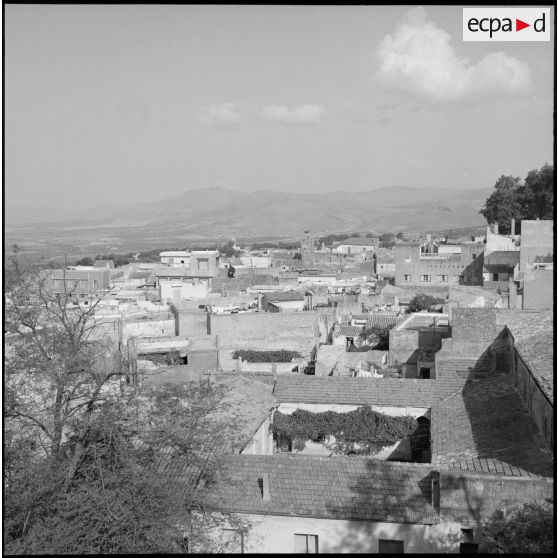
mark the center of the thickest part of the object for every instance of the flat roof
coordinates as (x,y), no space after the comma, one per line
(422,320)
(174,254)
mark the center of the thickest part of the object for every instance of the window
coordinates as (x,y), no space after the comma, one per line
(467,534)
(388,546)
(425,373)
(468,546)
(494,277)
(425,278)
(406,278)
(284,444)
(203,264)
(306,544)
(233,541)
(474,256)
(442,278)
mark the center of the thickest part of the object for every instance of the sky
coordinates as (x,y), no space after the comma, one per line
(135,103)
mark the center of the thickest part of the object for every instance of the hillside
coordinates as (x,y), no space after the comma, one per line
(220,211)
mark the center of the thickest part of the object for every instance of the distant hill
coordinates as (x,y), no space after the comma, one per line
(214,212)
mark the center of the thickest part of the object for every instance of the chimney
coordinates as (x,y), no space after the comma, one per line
(428,237)
(259,302)
(263,483)
(495,225)
(512,228)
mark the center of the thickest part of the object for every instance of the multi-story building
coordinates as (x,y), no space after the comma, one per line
(417,267)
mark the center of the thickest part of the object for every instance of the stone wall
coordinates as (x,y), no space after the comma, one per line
(242,281)
(403,345)
(148,328)
(192,324)
(261,324)
(538,289)
(537,239)
(540,408)
(470,499)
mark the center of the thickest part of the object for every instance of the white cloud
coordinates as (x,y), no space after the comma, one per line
(307,115)
(224,115)
(419,59)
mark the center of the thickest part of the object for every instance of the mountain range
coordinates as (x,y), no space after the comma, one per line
(216,212)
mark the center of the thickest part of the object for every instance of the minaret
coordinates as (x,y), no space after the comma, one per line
(307,250)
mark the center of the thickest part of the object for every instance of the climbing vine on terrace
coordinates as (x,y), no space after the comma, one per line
(281,355)
(363,426)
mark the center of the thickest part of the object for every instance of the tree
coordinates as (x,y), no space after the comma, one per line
(529,531)
(504,203)
(92,463)
(387,240)
(422,301)
(228,249)
(537,196)
(512,198)
(85,261)
(376,338)
(400,235)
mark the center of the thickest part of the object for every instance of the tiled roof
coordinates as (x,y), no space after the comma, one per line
(140,275)
(350,488)
(537,353)
(350,331)
(357,242)
(247,403)
(456,290)
(383,321)
(533,333)
(233,372)
(486,428)
(103,263)
(171,272)
(363,391)
(284,296)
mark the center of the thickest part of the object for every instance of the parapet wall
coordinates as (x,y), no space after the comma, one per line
(266,331)
(148,328)
(470,498)
(263,324)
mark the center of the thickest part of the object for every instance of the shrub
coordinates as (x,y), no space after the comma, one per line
(281,355)
(422,301)
(363,426)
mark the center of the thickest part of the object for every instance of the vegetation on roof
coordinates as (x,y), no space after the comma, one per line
(280,355)
(368,428)
(423,301)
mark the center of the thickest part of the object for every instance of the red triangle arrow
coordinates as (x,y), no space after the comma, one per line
(519,25)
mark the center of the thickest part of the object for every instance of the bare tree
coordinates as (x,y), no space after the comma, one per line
(93,464)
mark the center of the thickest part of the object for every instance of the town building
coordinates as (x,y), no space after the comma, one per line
(80,283)
(175,258)
(418,267)
(284,301)
(533,280)
(470,466)
(356,245)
